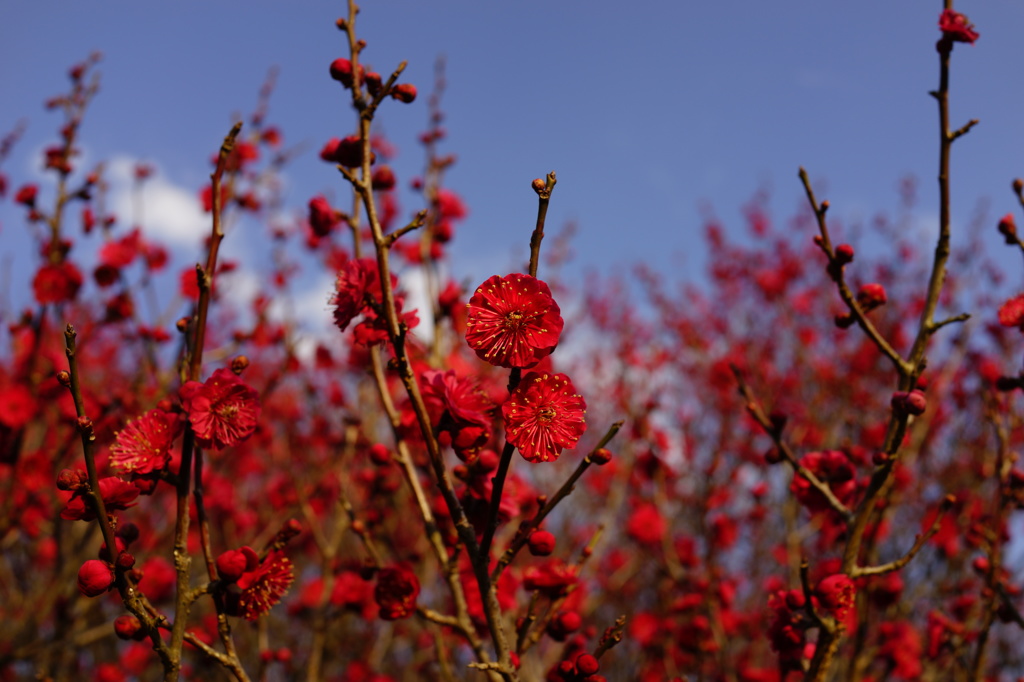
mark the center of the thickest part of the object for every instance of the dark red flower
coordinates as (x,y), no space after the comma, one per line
(356,279)
(543,415)
(396,592)
(956,27)
(322,218)
(94,578)
(232,564)
(56,283)
(17,406)
(264,586)
(223,411)
(513,321)
(836,594)
(144,444)
(1011,313)
(27,195)
(456,403)
(117,495)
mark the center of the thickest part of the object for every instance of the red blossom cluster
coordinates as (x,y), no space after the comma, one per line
(780,475)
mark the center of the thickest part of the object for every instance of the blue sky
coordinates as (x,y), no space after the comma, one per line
(645,113)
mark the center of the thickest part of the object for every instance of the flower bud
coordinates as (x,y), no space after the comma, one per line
(383,178)
(374,83)
(68,479)
(379,454)
(538,185)
(234,562)
(64,378)
(870,296)
(95,578)
(127,626)
(1008,228)
(1018,185)
(542,543)
(239,363)
(125,560)
(844,254)
(909,402)
(586,664)
(405,92)
(844,320)
(600,456)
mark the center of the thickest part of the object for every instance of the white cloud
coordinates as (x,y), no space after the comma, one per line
(171,214)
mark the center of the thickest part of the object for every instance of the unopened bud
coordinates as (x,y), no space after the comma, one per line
(68,479)
(601,456)
(64,378)
(909,402)
(542,543)
(127,626)
(1008,228)
(239,363)
(85,425)
(538,185)
(870,296)
(125,561)
(341,23)
(182,324)
(405,92)
(844,254)
(1018,185)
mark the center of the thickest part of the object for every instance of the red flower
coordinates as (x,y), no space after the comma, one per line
(264,586)
(95,578)
(144,444)
(513,321)
(56,283)
(543,415)
(459,407)
(122,252)
(322,218)
(223,411)
(956,27)
(17,406)
(396,592)
(646,525)
(836,594)
(27,195)
(116,494)
(1011,313)
(356,279)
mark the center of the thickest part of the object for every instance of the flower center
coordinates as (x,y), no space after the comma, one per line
(546,414)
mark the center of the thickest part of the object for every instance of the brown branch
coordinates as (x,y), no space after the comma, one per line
(523,536)
(919,543)
(170,658)
(757,412)
(835,269)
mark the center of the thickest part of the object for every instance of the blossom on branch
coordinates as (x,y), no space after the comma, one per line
(513,321)
(223,411)
(543,415)
(956,27)
(144,444)
(264,586)
(396,592)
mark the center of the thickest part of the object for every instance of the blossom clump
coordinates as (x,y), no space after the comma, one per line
(396,592)
(263,586)
(459,407)
(513,321)
(1011,313)
(956,27)
(223,410)
(144,444)
(836,594)
(94,578)
(543,415)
